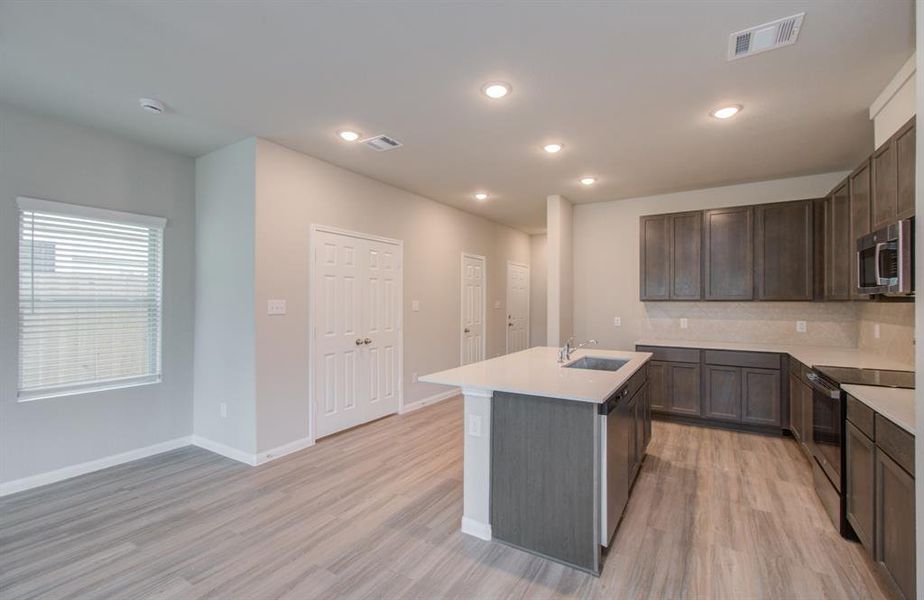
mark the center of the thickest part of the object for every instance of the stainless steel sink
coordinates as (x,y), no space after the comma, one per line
(596,363)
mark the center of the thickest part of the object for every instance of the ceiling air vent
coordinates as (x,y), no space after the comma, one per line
(769,36)
(381,143)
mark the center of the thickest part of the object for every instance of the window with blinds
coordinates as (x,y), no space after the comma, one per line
(90,298)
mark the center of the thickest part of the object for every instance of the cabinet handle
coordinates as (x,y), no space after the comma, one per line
(367,341)
(359,341)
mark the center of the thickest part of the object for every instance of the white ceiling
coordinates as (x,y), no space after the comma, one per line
(626,86)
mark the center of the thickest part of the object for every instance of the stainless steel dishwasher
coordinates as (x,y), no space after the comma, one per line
(614,487)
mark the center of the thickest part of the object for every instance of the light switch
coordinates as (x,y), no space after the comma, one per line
(415,305)
(474,425)
(497,305)
(800,326)
(617,321)
(684,323)
(275,307)
(876,331)
(223,410)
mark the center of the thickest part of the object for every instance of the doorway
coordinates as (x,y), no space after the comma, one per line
(473,301)
(517,307)
(356,343)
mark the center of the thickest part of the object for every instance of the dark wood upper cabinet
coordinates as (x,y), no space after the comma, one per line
(654,252)
(686,231)
(837,244)
(860,190)
(670,249)
(905,168)
(728,247)
(783,251)
(884,207)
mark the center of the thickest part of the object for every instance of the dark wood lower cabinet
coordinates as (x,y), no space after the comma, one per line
(684,389)
(894,524)
(795,408)
(722,386)
(657,384)
(860,476)
(760,396)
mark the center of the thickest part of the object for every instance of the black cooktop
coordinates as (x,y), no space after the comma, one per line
(877,377)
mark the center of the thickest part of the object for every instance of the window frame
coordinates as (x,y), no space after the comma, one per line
(26,203)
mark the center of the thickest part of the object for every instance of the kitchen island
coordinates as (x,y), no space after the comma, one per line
(551,449)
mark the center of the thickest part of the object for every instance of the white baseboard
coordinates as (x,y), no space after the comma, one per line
(224,450)
(279,452)
(33,481)
(430,400)
(476,528)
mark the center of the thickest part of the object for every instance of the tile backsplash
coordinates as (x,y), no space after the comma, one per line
(827,323)
(896,329)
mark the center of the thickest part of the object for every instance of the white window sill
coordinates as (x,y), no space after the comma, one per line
(44,394)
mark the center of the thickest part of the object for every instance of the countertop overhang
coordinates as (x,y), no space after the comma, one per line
(537,372)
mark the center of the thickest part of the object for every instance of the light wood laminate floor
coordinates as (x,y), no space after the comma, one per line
(375,512)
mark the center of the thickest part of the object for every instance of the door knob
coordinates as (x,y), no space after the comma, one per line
(467,330)
(367,341)
(359,341)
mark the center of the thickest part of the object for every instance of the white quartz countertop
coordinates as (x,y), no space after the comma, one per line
(537,372)
(807,355)
(896,405)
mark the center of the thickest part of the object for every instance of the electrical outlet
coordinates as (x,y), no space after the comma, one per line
(415,305)
(497,304)
(876,332)
(223,410)
(800,326)
(617,321)
(275,307)
(474,425)
(414,377)
(684,323)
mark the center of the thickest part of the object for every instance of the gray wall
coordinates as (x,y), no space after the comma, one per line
(225,363)
(538,296)
(47,158)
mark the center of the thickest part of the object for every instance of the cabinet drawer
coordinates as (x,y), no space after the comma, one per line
(896,442)
(688,355)
(759,360)
(861,416)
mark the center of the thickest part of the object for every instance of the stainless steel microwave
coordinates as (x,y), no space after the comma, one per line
(885,260)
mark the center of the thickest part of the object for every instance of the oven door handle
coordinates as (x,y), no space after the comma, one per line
(819,385)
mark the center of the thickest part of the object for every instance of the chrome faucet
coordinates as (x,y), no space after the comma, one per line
(564,353)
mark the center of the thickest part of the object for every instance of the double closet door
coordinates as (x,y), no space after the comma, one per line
(357,330)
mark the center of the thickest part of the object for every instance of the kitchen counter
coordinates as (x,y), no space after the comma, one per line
(537,372)
(807,355)
(897,405)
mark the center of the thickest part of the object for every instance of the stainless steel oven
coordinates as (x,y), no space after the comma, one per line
(827,426)
(885,260)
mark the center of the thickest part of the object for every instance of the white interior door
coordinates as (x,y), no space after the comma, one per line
(517,307)
(473,295)
(356,327)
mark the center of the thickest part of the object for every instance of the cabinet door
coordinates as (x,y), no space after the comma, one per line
(647,417)
(859,188)
(885,186)
(760,396)
(905,168)
(837,244)
(728,246)
(860,477)
(632,439)
(783,251)
(686,230)
(722,393)
(657,386)
(654,253)
(684,389)
(894,523)
(808,419)
(640,409)
(795,408)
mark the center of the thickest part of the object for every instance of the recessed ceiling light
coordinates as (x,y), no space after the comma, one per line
(481,196)
(553,148)
(726,112)
(152,105)
(496,89)
(588,180)
(348,136)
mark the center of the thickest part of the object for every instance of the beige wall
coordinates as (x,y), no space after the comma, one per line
(538,296)
(606,271)
(896,105)
(292,192)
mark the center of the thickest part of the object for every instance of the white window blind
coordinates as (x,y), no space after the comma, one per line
(90,298)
